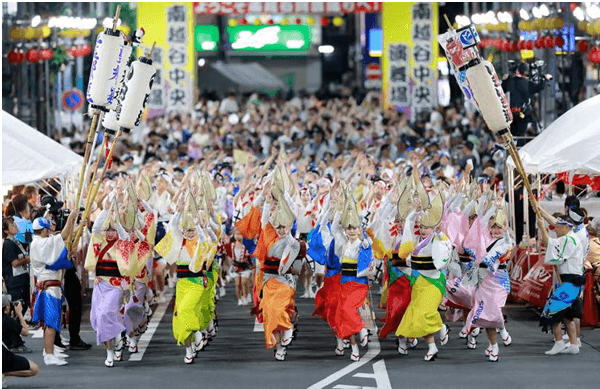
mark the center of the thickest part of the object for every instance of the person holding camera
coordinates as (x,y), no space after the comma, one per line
(49,257)
(519,89)
(71,285)
(14,365)
(13,325)
(15,263)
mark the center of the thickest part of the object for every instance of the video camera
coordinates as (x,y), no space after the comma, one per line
(59,214)
(60,217)
(536,72)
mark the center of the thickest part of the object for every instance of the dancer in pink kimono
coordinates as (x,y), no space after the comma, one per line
(492,245)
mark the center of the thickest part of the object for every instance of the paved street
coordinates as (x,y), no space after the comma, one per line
(237,358)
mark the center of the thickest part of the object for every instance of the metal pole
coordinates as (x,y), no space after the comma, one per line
(49,127)
(510,185)
(358,28)
(79,63)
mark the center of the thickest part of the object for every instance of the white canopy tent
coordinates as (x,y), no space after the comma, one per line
(29,156)
(570,144)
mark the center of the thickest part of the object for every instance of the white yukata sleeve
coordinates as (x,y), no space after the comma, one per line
(441,251)
(264,216)
(47,250)
(559,250)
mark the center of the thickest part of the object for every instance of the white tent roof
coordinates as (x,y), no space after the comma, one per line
(570,143)
(29,156)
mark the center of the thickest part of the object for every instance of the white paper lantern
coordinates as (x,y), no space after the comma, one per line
(123,69)
(108,56)
(136,92)
(489,96)
(110,122)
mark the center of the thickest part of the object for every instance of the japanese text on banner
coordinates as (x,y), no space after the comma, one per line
(158,96)
(399,89)
(422,75)
(178,96)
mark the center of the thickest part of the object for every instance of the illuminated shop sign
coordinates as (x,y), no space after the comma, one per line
(207,38)
(269,38)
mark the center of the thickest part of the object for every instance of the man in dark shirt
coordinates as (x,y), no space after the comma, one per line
(519,90)
(15,264)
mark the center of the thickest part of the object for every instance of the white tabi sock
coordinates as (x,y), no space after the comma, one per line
(110,355)
(432,348)
(495,349)
(198,338)
(503,333)
(340,343)
(355,349)
(189,352)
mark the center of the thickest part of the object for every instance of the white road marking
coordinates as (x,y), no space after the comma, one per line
(258,327)
(152,326)
(374,350)
(380,376)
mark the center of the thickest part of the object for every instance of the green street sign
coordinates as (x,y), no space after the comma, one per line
(206,38)
(269,38)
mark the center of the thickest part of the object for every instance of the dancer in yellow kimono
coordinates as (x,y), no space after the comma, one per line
(210,234)
(182,246)
(429,254)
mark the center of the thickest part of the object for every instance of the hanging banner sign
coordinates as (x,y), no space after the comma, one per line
(411,56)
(173,56)
(279,7)
(399,77)
(423,75)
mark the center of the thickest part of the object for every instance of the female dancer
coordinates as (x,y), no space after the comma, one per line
(354,249)
(491,278)
(430,254)
(180,246)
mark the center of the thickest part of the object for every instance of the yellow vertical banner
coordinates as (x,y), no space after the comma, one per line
(410,55)
(170,25)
